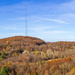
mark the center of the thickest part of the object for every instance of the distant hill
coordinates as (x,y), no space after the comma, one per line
(24,42)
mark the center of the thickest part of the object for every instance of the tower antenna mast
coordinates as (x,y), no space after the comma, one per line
(26,19)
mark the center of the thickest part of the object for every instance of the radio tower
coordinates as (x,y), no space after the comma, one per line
(26,19)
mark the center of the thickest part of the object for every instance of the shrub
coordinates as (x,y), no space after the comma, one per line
(3,55)
(39,63)
(4,71)
(43,62)
(73,71)
(8,64)
(33,73)
(4,46)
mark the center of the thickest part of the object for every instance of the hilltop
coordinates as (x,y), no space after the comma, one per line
(24,42)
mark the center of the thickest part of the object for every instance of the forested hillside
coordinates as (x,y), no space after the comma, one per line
(24,55)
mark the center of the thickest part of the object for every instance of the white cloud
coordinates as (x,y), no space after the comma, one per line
(54,32)
(8,28)
(41,28)
(19,18)
(69,5)
(15,34)
(55,20)
(47,30)
(11,28)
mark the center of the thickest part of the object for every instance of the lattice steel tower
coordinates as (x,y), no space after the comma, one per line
(26,19)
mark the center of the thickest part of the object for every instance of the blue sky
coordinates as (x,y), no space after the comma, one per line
(50,20)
